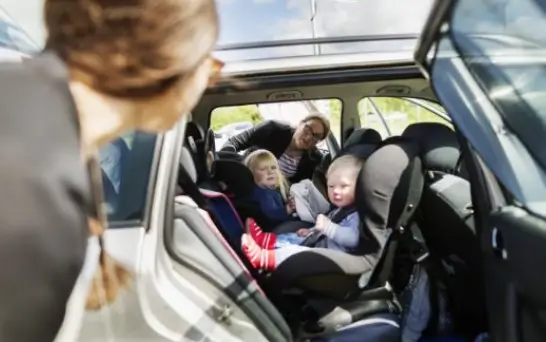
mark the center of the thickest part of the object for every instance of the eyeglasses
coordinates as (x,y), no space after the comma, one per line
(309,132)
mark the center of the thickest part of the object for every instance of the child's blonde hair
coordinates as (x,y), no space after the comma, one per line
(261,155)
(346,162)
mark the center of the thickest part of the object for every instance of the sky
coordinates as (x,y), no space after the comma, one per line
(258,20)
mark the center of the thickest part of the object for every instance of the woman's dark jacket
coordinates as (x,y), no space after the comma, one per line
(44,199)
(275,137)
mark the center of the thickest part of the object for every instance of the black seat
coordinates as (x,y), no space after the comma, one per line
(216,204)
(447,225)
(194,141)
(363,136)
(238,184)
(388,192)
(194,130)
(361,143)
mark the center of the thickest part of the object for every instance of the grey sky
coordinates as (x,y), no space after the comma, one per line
(28,13)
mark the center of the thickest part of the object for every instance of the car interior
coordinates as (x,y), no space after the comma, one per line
(485,280)
(430,211)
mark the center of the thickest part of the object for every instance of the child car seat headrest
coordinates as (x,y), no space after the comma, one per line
(186,161)
(235,175)
(390,182)
(210,152)
(363,136)
(228,155)
(361,143)
(194,143)
(440,149)
(194,130)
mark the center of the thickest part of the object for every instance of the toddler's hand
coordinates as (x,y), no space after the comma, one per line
(289,209)
(303,232)
(322,222)
(292,202)
(291,205)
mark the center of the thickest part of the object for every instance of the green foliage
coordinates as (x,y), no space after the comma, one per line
(225,115)
(335,110)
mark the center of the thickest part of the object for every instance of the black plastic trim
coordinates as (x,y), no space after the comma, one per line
(315,41)
(317,78)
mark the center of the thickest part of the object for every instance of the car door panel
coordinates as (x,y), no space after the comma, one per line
(516,257)
(217,260)
(191,288)
(514,302)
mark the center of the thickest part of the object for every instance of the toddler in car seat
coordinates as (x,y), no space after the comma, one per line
(271,186)
(339,229)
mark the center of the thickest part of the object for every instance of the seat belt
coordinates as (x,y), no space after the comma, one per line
(342,214)
(415,191)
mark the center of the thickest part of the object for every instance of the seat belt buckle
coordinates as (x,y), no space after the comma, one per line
(419,251)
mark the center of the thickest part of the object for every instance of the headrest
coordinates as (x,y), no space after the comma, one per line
(385,187)
(235,175)
(194,130)
(209,149)
(228,155)
(210,141)
(363,136)
(439,146)
(362,151)
(186,161)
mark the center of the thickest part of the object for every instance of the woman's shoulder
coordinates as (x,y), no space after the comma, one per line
(37,90)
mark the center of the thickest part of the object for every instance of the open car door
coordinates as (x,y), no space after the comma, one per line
(487,63)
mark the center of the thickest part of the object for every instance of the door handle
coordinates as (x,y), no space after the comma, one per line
(497,243)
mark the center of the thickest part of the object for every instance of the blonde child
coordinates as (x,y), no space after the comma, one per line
(271,187)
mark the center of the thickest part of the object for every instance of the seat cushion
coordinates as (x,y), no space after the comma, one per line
(321,271)
(226,216)
(374,328)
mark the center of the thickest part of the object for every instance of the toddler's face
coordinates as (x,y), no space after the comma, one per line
(341,187)
(265,174)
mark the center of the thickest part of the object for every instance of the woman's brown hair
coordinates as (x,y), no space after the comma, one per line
(132,48)
(127,49)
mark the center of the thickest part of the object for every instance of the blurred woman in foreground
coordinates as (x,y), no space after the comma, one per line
(109,66)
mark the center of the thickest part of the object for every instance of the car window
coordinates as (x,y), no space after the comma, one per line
(126,166)
(12,35)
(504,51)
(391,115)
(229,121)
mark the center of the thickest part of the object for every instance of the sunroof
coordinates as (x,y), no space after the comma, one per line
(253,22)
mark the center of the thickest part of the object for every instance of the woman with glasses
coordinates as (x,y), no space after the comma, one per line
(109,67)
(295,148)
